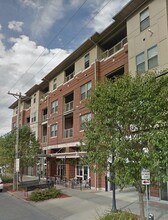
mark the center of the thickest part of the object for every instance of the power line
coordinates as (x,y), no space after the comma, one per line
(56,35)
(75,36)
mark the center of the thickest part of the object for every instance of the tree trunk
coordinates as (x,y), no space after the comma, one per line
(141,206)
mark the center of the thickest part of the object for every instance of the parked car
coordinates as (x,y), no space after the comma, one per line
(1,185)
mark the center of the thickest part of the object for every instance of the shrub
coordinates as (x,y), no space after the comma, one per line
(40,195)
(119,216)
(7,179)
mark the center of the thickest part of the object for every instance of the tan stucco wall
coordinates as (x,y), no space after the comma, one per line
(35,108)
(141,41)
(79,64)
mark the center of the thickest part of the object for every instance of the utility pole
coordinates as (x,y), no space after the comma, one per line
(16,161)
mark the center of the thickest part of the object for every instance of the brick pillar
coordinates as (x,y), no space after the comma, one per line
(70,169)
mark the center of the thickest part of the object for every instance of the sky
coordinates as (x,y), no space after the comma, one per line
(36,35)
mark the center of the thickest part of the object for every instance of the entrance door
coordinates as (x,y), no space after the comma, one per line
(61,169)
(82,172)
(164,191)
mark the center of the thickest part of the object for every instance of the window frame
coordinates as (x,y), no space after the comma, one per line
(33,117)
(83,119)
(151,58)
(54,108)
(34,98)
(54,84)
(53,130)
(144,19)
(86,60)
(140,63)
(87,90)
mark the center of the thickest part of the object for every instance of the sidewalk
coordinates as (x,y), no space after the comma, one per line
(89,204)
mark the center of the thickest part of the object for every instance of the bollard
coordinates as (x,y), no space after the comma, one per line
(150,216)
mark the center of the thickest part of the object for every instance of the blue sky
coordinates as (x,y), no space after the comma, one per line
(35,35)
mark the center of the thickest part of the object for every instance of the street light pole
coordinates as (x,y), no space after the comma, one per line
(114,208)
(16,161)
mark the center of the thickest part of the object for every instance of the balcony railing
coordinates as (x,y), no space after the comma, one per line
(70,76)
(68,106)
(68,133)
(115,48)
(44,117)
(44,139)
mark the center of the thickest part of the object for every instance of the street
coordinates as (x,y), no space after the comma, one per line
(12,208)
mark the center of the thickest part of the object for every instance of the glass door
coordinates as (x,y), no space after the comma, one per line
(82,172)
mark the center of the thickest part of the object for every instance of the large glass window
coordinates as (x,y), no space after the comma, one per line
(152,57)
(86,90)
(144,19)
(54,130)
(140,63)
(54,106)
(84,119)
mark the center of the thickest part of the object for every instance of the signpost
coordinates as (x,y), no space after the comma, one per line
(145,176)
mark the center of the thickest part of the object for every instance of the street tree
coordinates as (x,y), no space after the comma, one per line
(129,125)
(28,149)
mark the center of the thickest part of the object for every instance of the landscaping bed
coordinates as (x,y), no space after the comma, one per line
(121,215)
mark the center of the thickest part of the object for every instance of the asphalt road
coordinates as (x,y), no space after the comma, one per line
(12,208)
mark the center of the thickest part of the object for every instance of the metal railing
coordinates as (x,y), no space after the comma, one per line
(115,48)
(73,183)
(68,106)
(70,76)
(44,139)
(68,133)
(44,117)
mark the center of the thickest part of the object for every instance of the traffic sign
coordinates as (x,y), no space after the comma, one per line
(145,175)
(145,182)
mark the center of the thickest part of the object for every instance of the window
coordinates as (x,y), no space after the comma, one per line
(54,130)
(34,98)
(144,19)
(152,57)
(54,83)
(140,63)
(83,119)
(86,60)
(54,106)
(33,117)
(86,90)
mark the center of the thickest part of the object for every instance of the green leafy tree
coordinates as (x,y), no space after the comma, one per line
(27,150)
(130,125)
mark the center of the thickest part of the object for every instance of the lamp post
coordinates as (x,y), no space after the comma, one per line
(112,172)
(114,208)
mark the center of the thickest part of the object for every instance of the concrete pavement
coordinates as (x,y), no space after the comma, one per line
(89,204)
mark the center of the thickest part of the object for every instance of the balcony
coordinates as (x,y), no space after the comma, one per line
(68,106)
(44,139)
(68,133)
(70,76)
(44,117)
(115,48)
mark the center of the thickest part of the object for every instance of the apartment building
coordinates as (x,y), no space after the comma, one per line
(135,42)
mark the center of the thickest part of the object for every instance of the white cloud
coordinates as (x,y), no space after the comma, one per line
(15,25)
(18,74)
(47,16)
(0,27)
(106,11)
(35,4)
